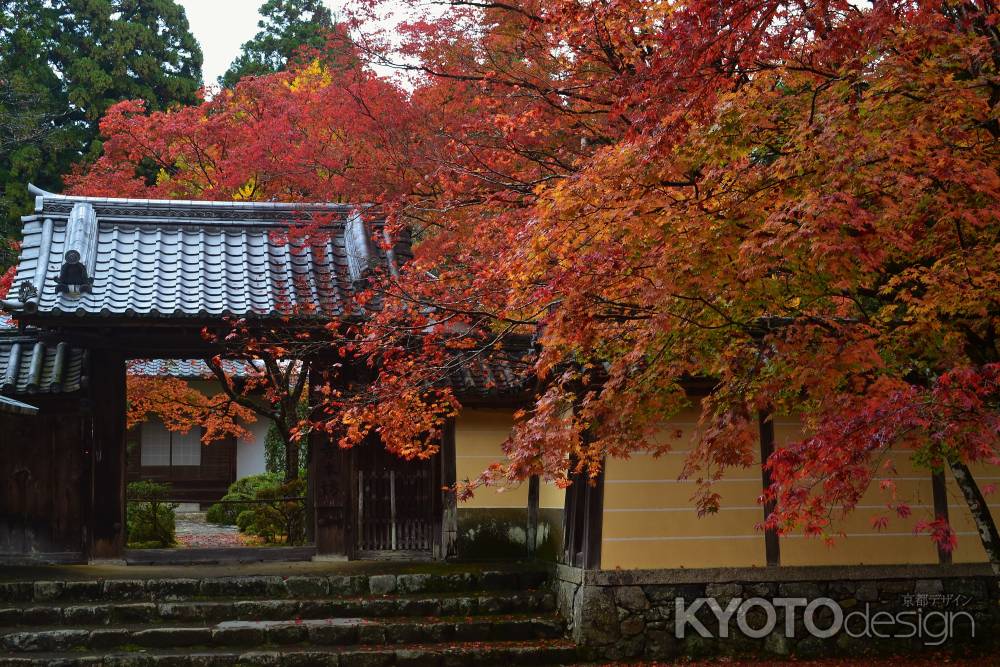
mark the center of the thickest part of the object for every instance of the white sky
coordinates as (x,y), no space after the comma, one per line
(221,27)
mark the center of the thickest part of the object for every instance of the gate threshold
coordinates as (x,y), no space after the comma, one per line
(218,555)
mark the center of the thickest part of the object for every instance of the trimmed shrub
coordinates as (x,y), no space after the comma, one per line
(245,521)
(277,519)
(149,518)
(226,513)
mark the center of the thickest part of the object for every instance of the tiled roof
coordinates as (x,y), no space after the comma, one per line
(497,372)
(158,258)
(188,368)
(30,366)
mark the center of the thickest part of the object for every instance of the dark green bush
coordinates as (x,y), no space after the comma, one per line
(274,446)
(246,488)
(277,519)
(149,518)
(245,521)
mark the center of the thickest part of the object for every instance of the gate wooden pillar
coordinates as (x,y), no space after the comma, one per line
(329,480)
(446,514)
(107,481)
(330,474)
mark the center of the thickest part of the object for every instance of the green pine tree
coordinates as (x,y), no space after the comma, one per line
(286,26)
(62,64)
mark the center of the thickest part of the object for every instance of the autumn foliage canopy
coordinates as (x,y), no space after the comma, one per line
(796,200)
(181,405)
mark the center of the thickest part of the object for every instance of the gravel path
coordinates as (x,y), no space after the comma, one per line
(194,531)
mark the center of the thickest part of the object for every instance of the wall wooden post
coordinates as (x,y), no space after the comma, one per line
(772,547)
(583,516)
(107,488)
(449,503)
(573,521)
(310,489)
(534,491)
(593,525)
(939,488)
(583,521)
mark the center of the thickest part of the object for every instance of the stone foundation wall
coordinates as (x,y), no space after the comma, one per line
(655,614)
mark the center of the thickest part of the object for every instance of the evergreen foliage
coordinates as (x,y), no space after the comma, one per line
(62,64)
(286,26)
(243,489)
(281,518)
(275,448)
(150,520)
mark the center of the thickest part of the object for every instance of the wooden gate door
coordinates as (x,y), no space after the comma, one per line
(396,504)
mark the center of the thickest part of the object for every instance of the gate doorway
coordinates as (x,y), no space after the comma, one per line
(165,280)
(191,498)
(397,503)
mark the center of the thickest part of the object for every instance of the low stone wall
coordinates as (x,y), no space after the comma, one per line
(849,611)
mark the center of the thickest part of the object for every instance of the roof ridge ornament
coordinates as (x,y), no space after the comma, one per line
(26,292)
(75,276)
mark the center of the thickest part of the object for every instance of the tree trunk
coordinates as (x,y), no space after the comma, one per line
(291,459)
(980,513)
(288,407)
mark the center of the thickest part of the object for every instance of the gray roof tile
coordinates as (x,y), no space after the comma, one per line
(181,259)
(30,366)
(188,368)
(501,371)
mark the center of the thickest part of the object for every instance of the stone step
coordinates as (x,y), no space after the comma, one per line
(214,610)
(272,586)
(453,654)
(322,632)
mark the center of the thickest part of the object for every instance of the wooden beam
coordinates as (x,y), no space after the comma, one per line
(772,546)
(107,489)
(565,555)
(311,474)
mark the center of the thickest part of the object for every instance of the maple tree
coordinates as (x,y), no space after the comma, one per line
(276,391)
(314,132)
(7,279)
(795,199)
(180,406)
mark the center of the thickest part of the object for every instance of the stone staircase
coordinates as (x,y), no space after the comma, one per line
(453,618)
